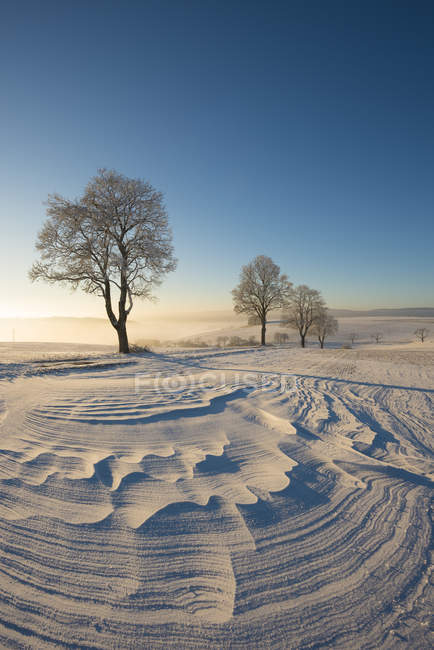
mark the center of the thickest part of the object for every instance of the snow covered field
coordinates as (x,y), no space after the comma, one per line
(249,498)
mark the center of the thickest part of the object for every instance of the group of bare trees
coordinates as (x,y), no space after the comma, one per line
(263,289)
(115,241)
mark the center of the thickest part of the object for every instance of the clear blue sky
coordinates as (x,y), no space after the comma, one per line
(301,129)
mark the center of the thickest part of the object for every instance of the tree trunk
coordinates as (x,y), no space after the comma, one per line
(321,342)
(120,323)
(302,340)
(123,337)
(123,315)
(263,328)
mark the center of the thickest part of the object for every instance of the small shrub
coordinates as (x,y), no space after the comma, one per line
(138,349)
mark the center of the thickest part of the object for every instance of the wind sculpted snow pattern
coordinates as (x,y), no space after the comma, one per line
(177,501)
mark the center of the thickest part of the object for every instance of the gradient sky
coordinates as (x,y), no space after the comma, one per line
(301,130)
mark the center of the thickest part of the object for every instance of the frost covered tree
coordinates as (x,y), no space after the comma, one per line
(304,303)
(353,336)
(262,288)
(421,333)
(114,240)
(324,325)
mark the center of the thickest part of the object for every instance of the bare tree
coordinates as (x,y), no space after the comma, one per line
(303,304)
(377,336)
(421,333)
(222,341)
(115,238)
(261,289)
(324,324)
(353,336)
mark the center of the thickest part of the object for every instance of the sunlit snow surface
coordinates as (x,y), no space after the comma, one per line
(191,499)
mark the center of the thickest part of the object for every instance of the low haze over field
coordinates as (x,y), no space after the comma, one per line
(208,326)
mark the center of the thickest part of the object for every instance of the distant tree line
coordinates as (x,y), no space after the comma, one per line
(421,333)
